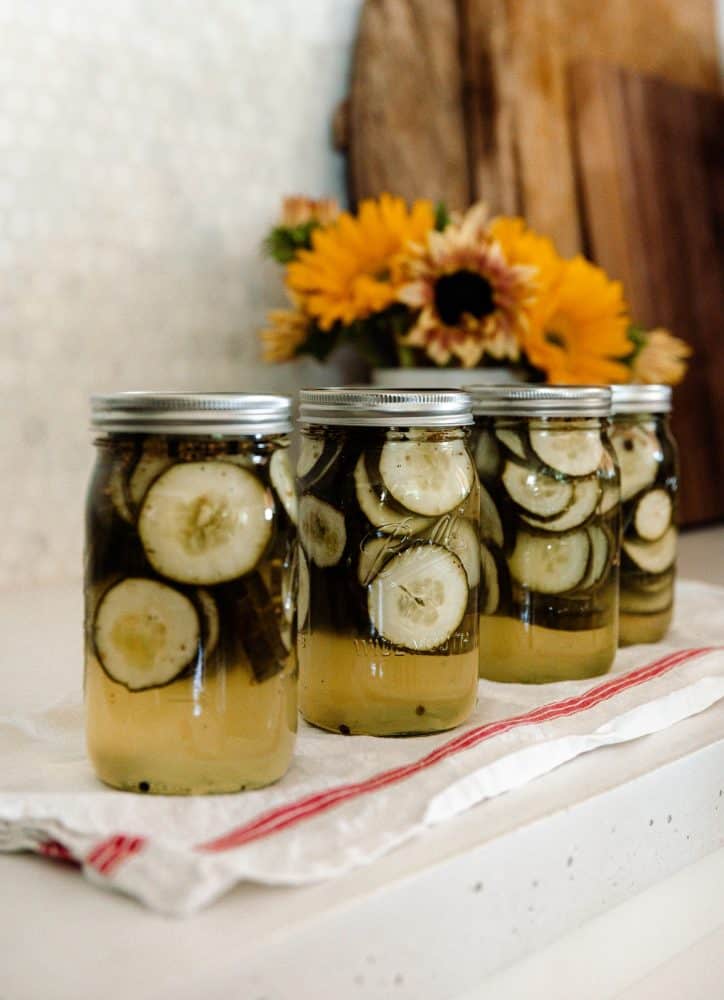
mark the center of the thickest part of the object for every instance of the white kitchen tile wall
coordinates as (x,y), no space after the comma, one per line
(144,148)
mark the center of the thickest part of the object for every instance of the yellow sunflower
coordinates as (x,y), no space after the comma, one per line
(352,269)
(288,330)
(662,359)
(471,300)
(522,246)
(578,329)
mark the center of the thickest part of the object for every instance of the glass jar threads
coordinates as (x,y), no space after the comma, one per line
(549,530)
(648,462)
(190,664)
(388,560)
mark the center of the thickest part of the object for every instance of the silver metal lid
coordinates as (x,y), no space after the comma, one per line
(641,398)
(362,406)
(541,400)
(220,413)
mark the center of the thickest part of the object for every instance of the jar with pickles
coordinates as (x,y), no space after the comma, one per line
(388,562)
(190,658)
(648,461)
(549,532)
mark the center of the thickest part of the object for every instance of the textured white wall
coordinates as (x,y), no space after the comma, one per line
(144,147)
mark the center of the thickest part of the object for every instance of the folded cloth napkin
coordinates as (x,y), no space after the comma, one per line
(346,800)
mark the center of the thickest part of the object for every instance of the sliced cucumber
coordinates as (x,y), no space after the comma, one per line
(322,531)
(427,477)
(118,491)
(639,455)
(458,535)
(153,461)
(280,473)
(205,522)
(373,556)
(537,492)
(586,493)
(255,617)
(380,514)
(599,556)
(575,453)
(310,451)
(610,497)
(489,587)
(653,515)
(210,620)
(653,557)
(302,588)
(419,599)
(550,565)
(491,527)
(145,633)
(512,441)
(487,454)
(639,602)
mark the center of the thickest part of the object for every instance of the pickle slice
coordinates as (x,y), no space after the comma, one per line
(302,588)
(322,531)
(639,602)
(380,514)
(250,618)
(458,535)
(639,455)
(146,633)
(487,454)
(374,554)
(491,527)
(489,593)
(599,556)
(536,492)
(118,491)
(150,465)
(280,473)
(419,599)
(653,515)
(550,565)
(575,453)
(205,522)
(512,441)
(586,493)
(310,451)
(653,557)
(427,477)
(210,619)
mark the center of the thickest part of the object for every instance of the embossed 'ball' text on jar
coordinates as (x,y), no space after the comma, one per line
(190,665)
(549,532)
(388,560)
(648,462)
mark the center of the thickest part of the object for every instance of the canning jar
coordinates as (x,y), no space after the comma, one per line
(388,561)
(190,662)
(549,532)
(648,462)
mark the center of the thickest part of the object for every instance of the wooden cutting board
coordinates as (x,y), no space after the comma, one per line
(467,99)
(651,162)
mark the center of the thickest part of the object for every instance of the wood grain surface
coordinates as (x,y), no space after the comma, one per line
(651,158)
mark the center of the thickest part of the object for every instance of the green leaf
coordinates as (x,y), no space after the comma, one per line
(442,216)
(284,242)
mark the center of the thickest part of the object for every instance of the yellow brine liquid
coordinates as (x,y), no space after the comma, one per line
(220,733)
(649,627)
(359,686)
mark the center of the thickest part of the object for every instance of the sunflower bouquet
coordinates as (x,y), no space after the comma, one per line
(416,286)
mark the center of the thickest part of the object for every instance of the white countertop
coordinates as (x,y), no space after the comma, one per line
(548,906)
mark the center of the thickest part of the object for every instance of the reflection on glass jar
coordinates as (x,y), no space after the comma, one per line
(549,531)
(648,461)
(190,675)
(388,561)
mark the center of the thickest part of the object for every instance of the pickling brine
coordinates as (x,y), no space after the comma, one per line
(388,564)
(190,677)
(549,533)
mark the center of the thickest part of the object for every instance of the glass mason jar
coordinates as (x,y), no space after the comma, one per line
(388,561)
(549,530)
(190,658)
(648,462)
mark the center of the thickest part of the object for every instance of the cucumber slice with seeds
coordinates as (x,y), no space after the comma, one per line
(575,453)
(489,594)
(419,599)
(427,477)
(586,493)
(653,557)
(322,531)
(280,473)
(491,527)
(549,565)
(205,522)
(536,492)
(639,455)
(380,514)
(653,515)
(145,633)
(458,535)
(512,441)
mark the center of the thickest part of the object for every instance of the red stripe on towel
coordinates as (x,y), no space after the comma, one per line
(109,854)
